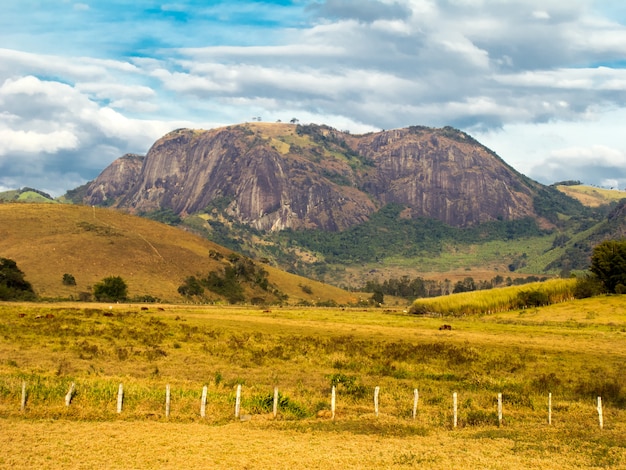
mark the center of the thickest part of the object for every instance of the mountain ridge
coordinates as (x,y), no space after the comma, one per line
(278,176)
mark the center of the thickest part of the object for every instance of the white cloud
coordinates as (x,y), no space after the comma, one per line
(529,77)
(36,142)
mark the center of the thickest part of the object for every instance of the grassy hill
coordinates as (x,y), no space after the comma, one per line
(591,196)
(50,240)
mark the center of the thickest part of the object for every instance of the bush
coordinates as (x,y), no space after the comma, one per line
(68,280)
(13,286)
(111,289)
(588,286)
(533,298)
(190,287)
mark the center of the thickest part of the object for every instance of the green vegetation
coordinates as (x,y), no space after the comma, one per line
(165,216)
(608,263)
(230,282)
(13,286)
(26,195)
(69,280)
(111,289)
(387,234)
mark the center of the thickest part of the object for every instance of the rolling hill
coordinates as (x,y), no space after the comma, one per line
(50,240)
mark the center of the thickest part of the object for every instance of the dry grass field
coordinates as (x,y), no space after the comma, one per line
(49,240)
(591,196)
(574,350)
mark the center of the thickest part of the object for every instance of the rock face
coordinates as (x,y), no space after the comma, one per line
(115,181)
(277,176)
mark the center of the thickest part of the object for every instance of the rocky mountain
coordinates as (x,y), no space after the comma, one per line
(277,176)
(115,181)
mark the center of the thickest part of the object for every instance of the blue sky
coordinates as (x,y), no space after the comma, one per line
(542,83)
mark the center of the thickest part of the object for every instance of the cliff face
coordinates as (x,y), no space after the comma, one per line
(445,175)
(115,181)
(277,176)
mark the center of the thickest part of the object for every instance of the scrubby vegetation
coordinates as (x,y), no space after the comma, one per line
(13,285)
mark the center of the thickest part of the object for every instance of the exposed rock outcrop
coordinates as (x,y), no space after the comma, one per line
(277,176)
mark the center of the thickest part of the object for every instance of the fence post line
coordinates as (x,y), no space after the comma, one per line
(333,397)
(238,401)
(549,408)
(203,402)
(167,400)
(455,407)
(416,397)
(376,393)
(23,404)
(600,418)
(70,393)
(499,409)
(275,405)
(120,398)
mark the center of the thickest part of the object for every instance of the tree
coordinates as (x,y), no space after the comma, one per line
(111,289)
(13,286)
(190,287)
(608,263)
(378,297)
(69,280)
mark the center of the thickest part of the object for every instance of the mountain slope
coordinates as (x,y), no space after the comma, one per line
(278,176)
(50,240)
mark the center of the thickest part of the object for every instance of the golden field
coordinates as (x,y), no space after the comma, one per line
(49,240)
(575,350)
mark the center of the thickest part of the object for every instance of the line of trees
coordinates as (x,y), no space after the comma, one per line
(419,287)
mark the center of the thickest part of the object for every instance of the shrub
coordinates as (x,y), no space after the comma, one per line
(533,298)
(111,289)
(190,287)
(13,286)
(588,286)
(68,280)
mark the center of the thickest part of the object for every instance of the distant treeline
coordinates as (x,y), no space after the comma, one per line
(421,288)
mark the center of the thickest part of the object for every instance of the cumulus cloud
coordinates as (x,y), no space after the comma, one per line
(49,128)
(509,72)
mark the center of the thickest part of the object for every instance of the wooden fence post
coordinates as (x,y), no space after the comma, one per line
(238,401)
(499,409)
(120,398)
(376,393)
(203,402)
(549,408)
(600,418)
(275,405)
(416,397)
(23,404)
(332,403)
(167,400)
(70,393)
(455,407)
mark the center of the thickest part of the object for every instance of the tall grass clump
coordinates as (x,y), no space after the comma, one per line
(497,300)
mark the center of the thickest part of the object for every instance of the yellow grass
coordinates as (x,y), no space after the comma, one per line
(49,240)
(496,300)
(591,196)
(122,445)
(570,349)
